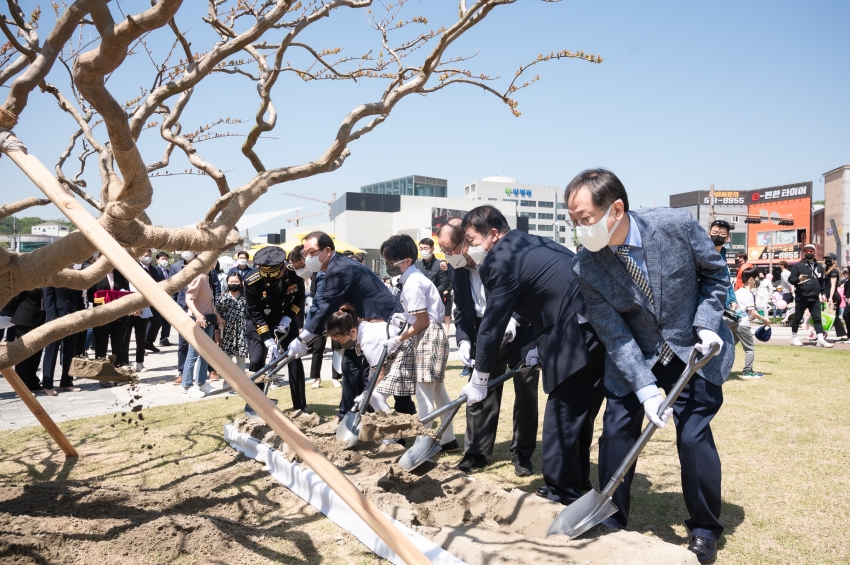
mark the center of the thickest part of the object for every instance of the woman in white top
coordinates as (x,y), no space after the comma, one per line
(425,311)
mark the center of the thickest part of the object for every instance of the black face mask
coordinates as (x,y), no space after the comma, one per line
(718,240)
(234,287)
(828,262)
(393,270)
(348,344)
(810,256)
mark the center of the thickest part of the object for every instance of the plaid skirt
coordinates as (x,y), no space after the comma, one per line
(400,378)
(432,353)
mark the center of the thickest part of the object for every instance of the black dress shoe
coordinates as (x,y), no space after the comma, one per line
(704,548)
(522,466)
(151,347)
(165,343)
(542,492)
(450,447)
(471,461)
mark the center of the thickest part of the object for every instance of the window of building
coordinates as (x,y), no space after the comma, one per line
(544,204)
(561,240)
(532,227)
(466,189)
(563,228)
(562,206)
(544,227)
(528,203)
(545,216)
(532,215)
(562,217)
(472,188)
(508,200)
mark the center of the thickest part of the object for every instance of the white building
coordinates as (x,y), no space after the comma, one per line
(50,228)
(542,204)
(367,220)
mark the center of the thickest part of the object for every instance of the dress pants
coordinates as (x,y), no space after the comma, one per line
(28,368)
(140,326)
(156,322)
(114,332)
(51,352)
(799,310)
(257,352)
(698,457)
(570,410)
(355,373)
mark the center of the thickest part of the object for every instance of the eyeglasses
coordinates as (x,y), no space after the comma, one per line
(396,264)
(452,250)
(586,221)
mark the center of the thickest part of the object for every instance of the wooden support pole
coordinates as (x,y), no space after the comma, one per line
(288,432)
(38,411)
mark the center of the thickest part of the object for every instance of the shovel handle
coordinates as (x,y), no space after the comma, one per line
(691,368)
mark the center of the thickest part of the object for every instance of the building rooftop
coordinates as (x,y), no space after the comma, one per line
(837,169)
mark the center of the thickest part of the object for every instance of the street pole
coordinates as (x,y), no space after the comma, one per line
(711,205)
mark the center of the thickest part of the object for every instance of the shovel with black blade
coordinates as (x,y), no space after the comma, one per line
(595,506)
(348,432)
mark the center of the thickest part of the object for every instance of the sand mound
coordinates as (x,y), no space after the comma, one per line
(100,369)
(383,425)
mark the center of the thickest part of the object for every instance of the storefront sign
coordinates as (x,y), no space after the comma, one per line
(782,193)
(521,192)
(779,252)
(726,197)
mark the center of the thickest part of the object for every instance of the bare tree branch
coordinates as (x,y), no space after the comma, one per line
(21,205)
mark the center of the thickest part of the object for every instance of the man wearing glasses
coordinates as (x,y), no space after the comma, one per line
(655,288)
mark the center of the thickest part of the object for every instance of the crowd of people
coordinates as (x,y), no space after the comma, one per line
(616,321)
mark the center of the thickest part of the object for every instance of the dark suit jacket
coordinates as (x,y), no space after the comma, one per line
(153,271)
(61,301)
(435,274)
(120,284)
(26,309)
(464,315)
(531,276)
(348,281)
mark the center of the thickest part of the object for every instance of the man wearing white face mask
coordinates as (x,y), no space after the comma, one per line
(430,267)
(530,276)
(241,268)
(655,288)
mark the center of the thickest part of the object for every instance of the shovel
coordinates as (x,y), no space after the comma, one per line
(426,446)
(348,432)
(595,506)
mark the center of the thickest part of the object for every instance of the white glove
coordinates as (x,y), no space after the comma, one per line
(510,331)
(464,351)
(532,358)
(297,348)
(651,406)
(358,402)
(271,345)
(283,325)
(707,339)
(306,336)
(474,393)
(392,344)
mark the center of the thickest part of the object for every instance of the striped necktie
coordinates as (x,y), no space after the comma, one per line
(623,253)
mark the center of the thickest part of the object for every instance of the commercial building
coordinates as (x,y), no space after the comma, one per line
(769,223)
(836,190)
(367,220)
(542,205)
(50,228)
(413,185)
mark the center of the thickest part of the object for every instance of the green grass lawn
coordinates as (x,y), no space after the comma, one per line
(783,440)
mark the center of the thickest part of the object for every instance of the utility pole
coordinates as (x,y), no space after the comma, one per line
(711,217)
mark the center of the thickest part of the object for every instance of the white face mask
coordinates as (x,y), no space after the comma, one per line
(146,260)
(163,263)
(314,263)
(187,256)
(303,273)
(457,261)
(77,266)
(426,254)
(242,262)
(477,253)
(597,236)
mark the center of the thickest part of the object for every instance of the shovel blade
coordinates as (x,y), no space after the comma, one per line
(348,432)
(423,448)
(251,413)
(582,515)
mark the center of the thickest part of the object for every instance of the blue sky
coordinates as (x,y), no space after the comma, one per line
(740,94)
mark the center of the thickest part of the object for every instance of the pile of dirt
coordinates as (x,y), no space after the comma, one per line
(473,518)
(103,369)
(384,425)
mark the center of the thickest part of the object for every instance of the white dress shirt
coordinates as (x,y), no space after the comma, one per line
(418,294)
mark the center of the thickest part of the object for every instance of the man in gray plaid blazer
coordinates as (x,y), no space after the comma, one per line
(655,287)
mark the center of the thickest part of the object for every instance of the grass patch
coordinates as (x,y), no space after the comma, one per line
(783,442)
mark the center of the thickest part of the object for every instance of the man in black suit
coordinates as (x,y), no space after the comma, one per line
(60,302)
(153,323)
(482,418)
(27,314)
(348,282)
(114,330)
(531,276)
(159,272)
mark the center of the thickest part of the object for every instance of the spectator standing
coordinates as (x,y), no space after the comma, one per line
(231,307)
(137,322)
(763,288)
(807,278)
(159,272)
(447,298)
(787,287)
(180,298)
(430,267)
(201,307)
(743,264)
(241,268)
(27,315)
(112,332)
(60,302)
(747,303)
(830,291)
(147,264)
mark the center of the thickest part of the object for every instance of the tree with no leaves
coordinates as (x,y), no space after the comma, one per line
(257,40)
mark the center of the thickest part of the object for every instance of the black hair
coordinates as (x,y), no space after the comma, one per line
(749,274)
(485,218)
(604,186)
(399,247)
(721,224)
(741,255)
(342,322)
(348,253)
(162,254)
(297,253)
(427,241)
(783,264)
(233,275)
(323,240)
(240,253)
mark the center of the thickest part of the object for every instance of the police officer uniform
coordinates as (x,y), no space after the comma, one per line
(273,290)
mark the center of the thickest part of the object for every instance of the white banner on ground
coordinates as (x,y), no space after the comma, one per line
(310,487)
